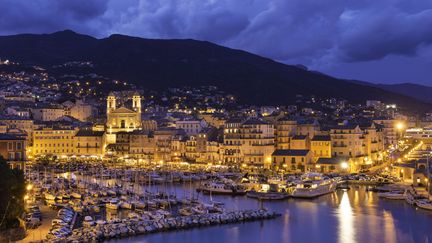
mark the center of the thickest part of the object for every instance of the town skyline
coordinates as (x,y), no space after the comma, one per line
(194,121)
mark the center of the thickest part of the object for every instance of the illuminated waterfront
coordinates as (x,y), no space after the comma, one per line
(344,216)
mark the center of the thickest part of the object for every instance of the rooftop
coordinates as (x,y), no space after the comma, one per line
(290,152)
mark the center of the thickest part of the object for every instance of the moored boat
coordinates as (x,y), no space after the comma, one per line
(394,195)
(424,204)
(267,195)
(221,188)
(314,185)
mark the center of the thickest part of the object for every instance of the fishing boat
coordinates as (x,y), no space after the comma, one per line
(313,185)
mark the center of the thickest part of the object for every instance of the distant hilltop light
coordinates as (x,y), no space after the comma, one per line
(5,62)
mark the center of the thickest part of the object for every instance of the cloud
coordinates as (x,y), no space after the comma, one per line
(42,16)
(313,32)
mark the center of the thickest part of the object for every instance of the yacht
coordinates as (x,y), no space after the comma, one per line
(424,204)
(394,195)
(313,185)
(221,188)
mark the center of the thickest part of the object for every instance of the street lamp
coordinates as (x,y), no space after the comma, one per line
(29,187)
(344,165)
(400,126)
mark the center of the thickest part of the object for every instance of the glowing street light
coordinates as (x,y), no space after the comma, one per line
(344,165)
(29,187)
(400,126)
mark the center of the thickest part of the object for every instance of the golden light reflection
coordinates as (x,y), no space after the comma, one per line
(389,227)
(346,221)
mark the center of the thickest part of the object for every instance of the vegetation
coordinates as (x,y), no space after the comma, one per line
(12,191)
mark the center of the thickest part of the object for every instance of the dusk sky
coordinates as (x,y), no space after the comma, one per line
(385,41)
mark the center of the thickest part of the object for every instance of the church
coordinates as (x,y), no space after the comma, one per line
(123,119)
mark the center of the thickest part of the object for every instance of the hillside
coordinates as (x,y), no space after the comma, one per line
(422,92)
(159,64)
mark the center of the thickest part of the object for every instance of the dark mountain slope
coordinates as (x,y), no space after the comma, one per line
(158,64)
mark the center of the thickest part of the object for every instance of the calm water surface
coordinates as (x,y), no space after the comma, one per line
(344,216)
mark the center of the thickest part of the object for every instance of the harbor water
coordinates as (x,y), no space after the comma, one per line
(345,216)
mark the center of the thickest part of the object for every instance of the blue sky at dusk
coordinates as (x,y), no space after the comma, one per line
(385,41)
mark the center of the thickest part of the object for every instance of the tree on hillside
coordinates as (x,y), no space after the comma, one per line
(12,191)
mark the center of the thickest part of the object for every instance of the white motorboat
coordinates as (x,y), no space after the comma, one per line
(424,204)
(113,204)
(221,188)
(185,211)
(88,221)
(394,195)
(313,185)
(139,204)
(126,205)
(75,195)
(49,196)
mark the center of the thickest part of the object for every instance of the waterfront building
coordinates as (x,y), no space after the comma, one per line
(412,172)
(292,160)
(393,129)
(347,140)
(333,165)
(142,145)
(321,147)
(285,129)
(89,143)
(170,144)
(13,149)
(121,147)
(250,142)
(54,140)
(373,142)
(22,123)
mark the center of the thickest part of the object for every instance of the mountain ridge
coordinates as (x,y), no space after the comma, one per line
(159,64)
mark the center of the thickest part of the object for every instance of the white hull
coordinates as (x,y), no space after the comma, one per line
(320,190)
(424,205)
(125,205)
(112,206)
(392,196)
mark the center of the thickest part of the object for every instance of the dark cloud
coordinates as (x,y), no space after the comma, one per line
(320,34)
(42,16)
